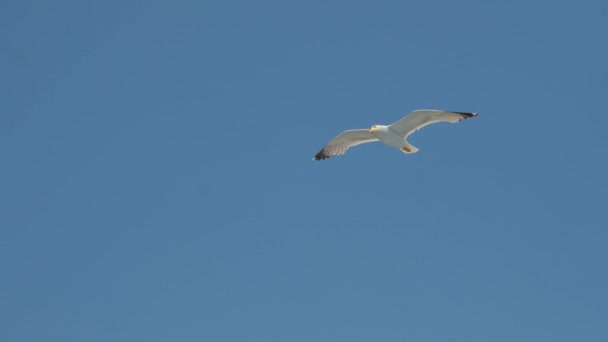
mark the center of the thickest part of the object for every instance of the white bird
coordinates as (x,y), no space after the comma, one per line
(394,135)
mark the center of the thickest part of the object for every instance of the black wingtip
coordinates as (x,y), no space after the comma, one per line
(321,155)
(467,114)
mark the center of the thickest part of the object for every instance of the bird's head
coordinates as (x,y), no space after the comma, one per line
(373,128)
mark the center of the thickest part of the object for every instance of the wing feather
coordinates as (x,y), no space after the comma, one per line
(343,141)
(424,117)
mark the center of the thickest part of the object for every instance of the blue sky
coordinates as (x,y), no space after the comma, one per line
(157,181)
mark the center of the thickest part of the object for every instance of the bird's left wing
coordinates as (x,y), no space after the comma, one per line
(343,142)
(420,118)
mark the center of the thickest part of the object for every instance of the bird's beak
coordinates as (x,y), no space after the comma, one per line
(372,130)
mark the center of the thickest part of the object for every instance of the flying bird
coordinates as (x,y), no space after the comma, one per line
(394,135)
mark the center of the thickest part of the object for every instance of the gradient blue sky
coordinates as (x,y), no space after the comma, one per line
(157,183)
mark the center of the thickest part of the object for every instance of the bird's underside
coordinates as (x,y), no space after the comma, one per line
(393,135)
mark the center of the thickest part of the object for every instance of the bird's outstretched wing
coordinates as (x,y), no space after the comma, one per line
(420,118)
(343,142)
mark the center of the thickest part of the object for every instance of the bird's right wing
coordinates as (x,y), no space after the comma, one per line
(420,118)
(343,142)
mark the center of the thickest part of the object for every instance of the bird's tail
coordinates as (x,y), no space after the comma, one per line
(408,149)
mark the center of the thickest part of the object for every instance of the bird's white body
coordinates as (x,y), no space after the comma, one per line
(392,138)
(394,135)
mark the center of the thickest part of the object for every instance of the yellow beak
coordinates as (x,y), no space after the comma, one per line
(372,130)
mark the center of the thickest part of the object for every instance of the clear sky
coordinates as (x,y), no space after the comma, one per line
(156,181)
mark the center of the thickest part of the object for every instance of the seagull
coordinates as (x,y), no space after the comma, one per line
(394,135)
